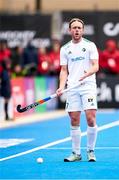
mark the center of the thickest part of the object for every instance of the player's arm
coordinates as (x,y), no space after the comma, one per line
(62,79)
(93,69)
(94,61)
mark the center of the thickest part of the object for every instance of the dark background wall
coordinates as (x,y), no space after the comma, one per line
(99,26)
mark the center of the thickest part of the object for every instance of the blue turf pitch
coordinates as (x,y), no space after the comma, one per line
(24,166)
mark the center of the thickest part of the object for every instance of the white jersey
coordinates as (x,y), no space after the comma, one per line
(78,56)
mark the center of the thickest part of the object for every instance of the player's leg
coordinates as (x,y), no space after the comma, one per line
(75,133)
(73,107)
(91,133)
(6,101)
(89,101)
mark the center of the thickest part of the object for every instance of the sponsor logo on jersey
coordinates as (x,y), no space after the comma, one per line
(77,58)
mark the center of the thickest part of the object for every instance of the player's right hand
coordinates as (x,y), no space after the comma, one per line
(59,91)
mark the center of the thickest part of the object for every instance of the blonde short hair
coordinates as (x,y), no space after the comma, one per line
(75,19)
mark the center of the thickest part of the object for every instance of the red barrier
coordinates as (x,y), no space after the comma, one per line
(18,94)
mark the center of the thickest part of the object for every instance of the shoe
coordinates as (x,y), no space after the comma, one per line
(91,156)
(73,157)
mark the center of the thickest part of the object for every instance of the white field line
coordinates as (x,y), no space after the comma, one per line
(106,126)
(98,148)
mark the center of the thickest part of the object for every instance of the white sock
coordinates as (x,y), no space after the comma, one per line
(76,139)
(91,137)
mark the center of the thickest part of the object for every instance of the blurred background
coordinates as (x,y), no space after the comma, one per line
(31,34)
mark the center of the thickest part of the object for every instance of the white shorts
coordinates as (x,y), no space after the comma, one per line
(82,98)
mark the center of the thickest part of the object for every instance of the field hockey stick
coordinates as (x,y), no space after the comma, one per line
(41,101)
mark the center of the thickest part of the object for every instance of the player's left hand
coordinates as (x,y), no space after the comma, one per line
(84,76)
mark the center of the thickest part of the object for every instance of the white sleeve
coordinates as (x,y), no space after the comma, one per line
(93,52)
(63,57)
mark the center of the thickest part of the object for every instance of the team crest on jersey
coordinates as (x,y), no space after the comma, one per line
(83,49)
(69,52)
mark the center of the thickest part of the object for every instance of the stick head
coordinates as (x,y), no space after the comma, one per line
(19,109)
(24,109)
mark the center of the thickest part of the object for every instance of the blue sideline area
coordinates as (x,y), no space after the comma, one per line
(24,166)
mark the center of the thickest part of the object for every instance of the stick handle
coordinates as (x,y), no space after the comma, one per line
(68,89)
(65,90)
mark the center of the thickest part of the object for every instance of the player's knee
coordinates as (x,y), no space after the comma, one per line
(91,119)
(75,118)
(74,121)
